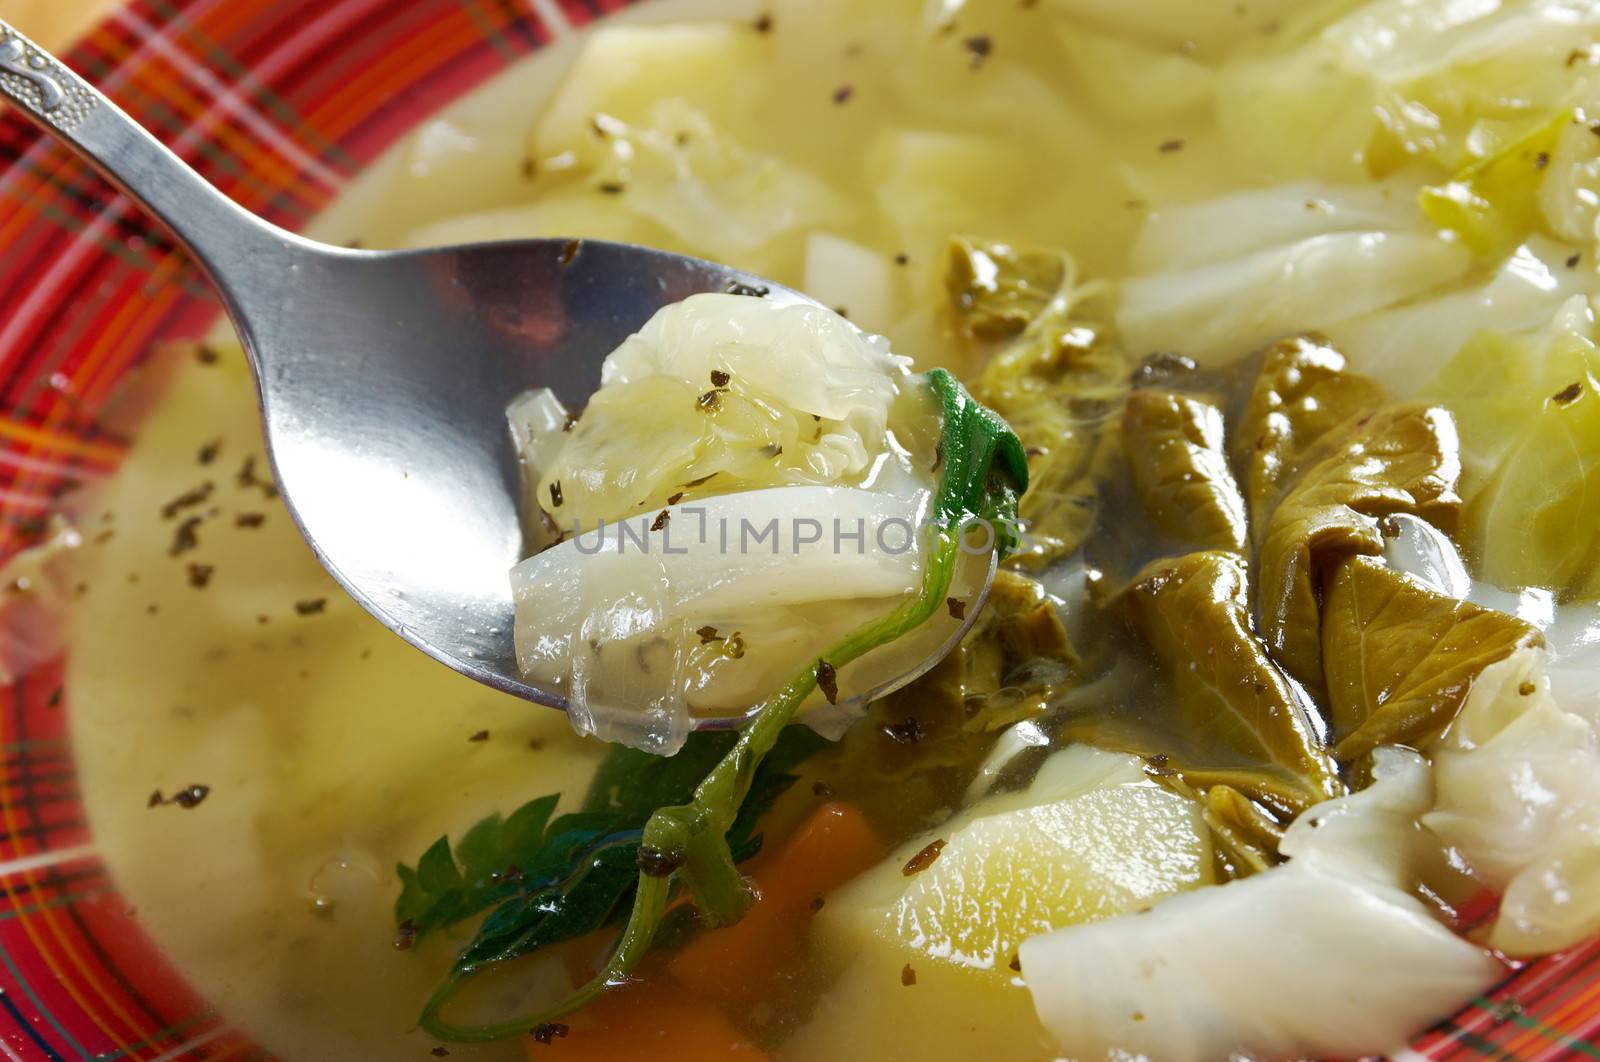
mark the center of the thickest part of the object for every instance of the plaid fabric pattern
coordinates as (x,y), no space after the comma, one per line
(278,103)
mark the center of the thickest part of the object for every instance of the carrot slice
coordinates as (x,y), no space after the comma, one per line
(648,1021)
(737,966)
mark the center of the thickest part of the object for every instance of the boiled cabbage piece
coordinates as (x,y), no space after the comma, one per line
(1529,408)
(1328,955)
(1519,797)
(751,483)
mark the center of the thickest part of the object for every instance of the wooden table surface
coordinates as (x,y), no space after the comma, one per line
(55,24)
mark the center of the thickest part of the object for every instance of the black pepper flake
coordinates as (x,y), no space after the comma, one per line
(407,933)
(1567,395)
(901,259)
(842,311)
(674,499)
(611,187)
(821,789)
(708,634)
(187,500)
(555,494)
(206,355)
(184,539)
(249,520)
(908,976)
(842,94)
(654,863)
(923,859)
(660,522)
(1541,160)
(1166,147)
(978,49)
(1574,259)
(547,1031)
(957,607)
(709,402)
(755,291)
(828,681)
(569,252)
(1527,689)
(762,24)
(54,700)
(311,606)
(719,378)
(481,735)
(200,575)
(908,732)
(155,800)
(208,452)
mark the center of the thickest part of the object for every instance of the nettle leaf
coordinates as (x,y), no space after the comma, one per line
(1302,393)
(1401,459)
(1260,735)
(1174,446)
(1399,658)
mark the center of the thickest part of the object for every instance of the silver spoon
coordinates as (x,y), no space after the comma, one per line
(384,376)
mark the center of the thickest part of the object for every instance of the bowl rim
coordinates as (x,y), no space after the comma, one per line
(280,104)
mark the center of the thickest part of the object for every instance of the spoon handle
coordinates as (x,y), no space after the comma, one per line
(214,229)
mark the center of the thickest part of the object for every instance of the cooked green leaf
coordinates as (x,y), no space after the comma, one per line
(1193,612)
(1247,835)
(998,290)
(1060,386)
(1399,658)
(1401,459)
(1174,445)
(1302,392)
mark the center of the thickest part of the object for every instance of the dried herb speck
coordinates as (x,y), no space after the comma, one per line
(817,903)
(249,520)
(1567,395)
(762,24)
(208,452)
(54,700)
(555,494)
(481,735)
(311,606)
(200,575)
(546,1032)
(842,94)
(611,187)
(190,796)
(660,521)
(654,863)
(908,976)
(1167,147)
(184,539)
(708,634)
(828,681)
(957,607)
(924,858)
(187,500)
(978,49)
(1574,259)
(908,732)
(569,252)
(1527,689)
(821,789)
(206,355)
(719,378)
(755,291)
(710,402)
(674,499)
(440,1051)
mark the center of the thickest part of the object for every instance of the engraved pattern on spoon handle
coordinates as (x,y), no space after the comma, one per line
(40,84)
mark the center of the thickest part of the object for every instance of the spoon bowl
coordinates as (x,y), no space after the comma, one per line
(384,376)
